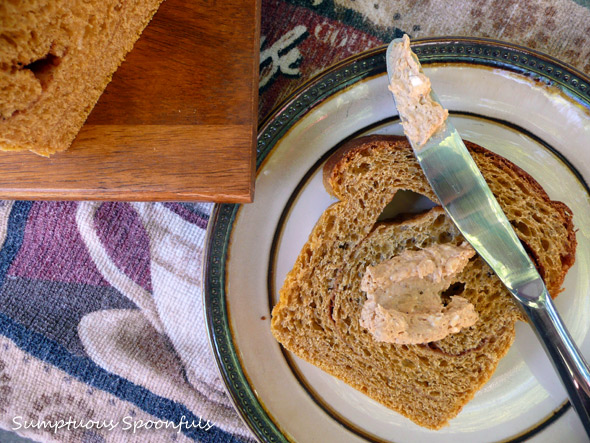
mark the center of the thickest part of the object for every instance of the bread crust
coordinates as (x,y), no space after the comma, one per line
(337,161)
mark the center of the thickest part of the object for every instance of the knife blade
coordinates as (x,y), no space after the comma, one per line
(469,202)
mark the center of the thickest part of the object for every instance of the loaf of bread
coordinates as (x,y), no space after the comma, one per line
(56,58)
(317,316)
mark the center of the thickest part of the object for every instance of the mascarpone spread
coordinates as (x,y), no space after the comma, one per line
(404,304)
(420,115)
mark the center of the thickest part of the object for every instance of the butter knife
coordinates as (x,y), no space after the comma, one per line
(467,199)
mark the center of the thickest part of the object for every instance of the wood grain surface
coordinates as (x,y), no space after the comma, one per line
(177,122)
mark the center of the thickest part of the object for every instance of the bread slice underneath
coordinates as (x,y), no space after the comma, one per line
(56,58)
(317,316)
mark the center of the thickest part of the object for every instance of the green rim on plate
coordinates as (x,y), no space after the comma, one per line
(537,66)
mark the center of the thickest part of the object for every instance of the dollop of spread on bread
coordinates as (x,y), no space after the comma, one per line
(404,303)
(420,115)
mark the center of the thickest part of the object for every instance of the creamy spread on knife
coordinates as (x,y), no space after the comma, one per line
(403,303)
(420,115)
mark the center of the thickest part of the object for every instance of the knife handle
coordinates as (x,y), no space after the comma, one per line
(564,354)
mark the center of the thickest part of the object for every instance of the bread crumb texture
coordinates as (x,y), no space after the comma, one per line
(56,58)
(317,316)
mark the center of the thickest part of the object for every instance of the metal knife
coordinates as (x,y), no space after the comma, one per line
(467,199)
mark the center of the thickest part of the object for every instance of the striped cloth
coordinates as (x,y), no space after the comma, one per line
(101,325)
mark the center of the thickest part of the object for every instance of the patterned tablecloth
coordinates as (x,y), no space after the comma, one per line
(102,336)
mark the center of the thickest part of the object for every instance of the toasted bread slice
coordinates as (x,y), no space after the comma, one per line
(317,316)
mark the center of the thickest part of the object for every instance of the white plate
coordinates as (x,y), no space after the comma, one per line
(523,105)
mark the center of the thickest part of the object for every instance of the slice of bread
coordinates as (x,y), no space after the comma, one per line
(317,316)
(56,58)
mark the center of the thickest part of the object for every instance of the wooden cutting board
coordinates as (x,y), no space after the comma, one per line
(177,122)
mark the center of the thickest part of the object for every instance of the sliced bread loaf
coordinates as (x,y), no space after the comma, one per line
(317,316)
(56,58)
